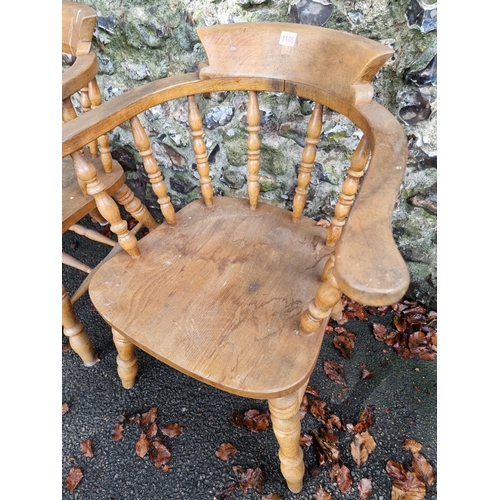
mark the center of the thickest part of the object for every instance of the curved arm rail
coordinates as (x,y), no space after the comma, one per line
(79,74)
(367,241)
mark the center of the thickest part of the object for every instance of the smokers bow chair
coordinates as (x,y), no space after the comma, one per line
(237,292)
(78,23)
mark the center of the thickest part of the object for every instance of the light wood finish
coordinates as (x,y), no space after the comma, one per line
(233,294)
(253,144)
(73,329)
(91,179)
(200,150)
(307,163)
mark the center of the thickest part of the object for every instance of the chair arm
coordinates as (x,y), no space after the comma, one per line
(368,266)
(81,72)
(89,126)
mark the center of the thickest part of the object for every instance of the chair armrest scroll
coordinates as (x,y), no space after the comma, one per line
(368,266)
(81,72)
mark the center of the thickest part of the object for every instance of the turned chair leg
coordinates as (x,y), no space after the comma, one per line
(126,359)
(73,329)
(286,425)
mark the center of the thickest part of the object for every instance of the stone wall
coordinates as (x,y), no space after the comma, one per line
(139,41)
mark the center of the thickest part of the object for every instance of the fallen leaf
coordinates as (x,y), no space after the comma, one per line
(172,430)
(344,341)
(227,491)
(142,445)
(335,372)
(412,445)
(344,480)
(327,451)
(148,417)
(272,496)
(304,406)
(423,469)
(406,484)
(365,420)
(306,440)
(86,447)
(249,478)
(251,420)
(73,478)
(225,451)
(117,432)
(65,408)
(317,408)
(160,455)
(365,488)
(362,445)
(367,374)
(151,431)
(312,391)
(321,494)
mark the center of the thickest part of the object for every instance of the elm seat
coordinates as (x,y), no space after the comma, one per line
(249,294)
(237,292)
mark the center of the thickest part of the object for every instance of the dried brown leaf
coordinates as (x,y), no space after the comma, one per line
(73,478)
(406,484)
(365,420)
(312,391)
(317,408)
(86,447)
(272,496)
(160,455)
(423,469)
(321,494)
(225,451)
(151,431)
(142,445)
(344,480)
(227,491)
(344,341)
(365,488)
(306,440)
(65,408)
(172,430)
(251,420)
(327,451)
(148,417)
(362,445)
(117,432)
(335,372)
(366,374)
(411,445)
(304,406)
(249,478)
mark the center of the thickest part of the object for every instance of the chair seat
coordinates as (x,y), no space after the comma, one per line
(214,298)
(75,205)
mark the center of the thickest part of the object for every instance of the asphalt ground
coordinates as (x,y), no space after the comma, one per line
(401,396)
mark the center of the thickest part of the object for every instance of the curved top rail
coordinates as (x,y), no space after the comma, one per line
(78,21)
(333,60)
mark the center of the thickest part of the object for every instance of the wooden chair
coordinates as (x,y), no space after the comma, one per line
(236,292)
(78,23)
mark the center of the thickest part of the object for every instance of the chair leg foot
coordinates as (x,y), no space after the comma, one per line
(286,425)
(73,329)
(126,360)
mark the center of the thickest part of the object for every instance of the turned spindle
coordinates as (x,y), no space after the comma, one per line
(151,166)
(253,145)
(307,163)
(200,150)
